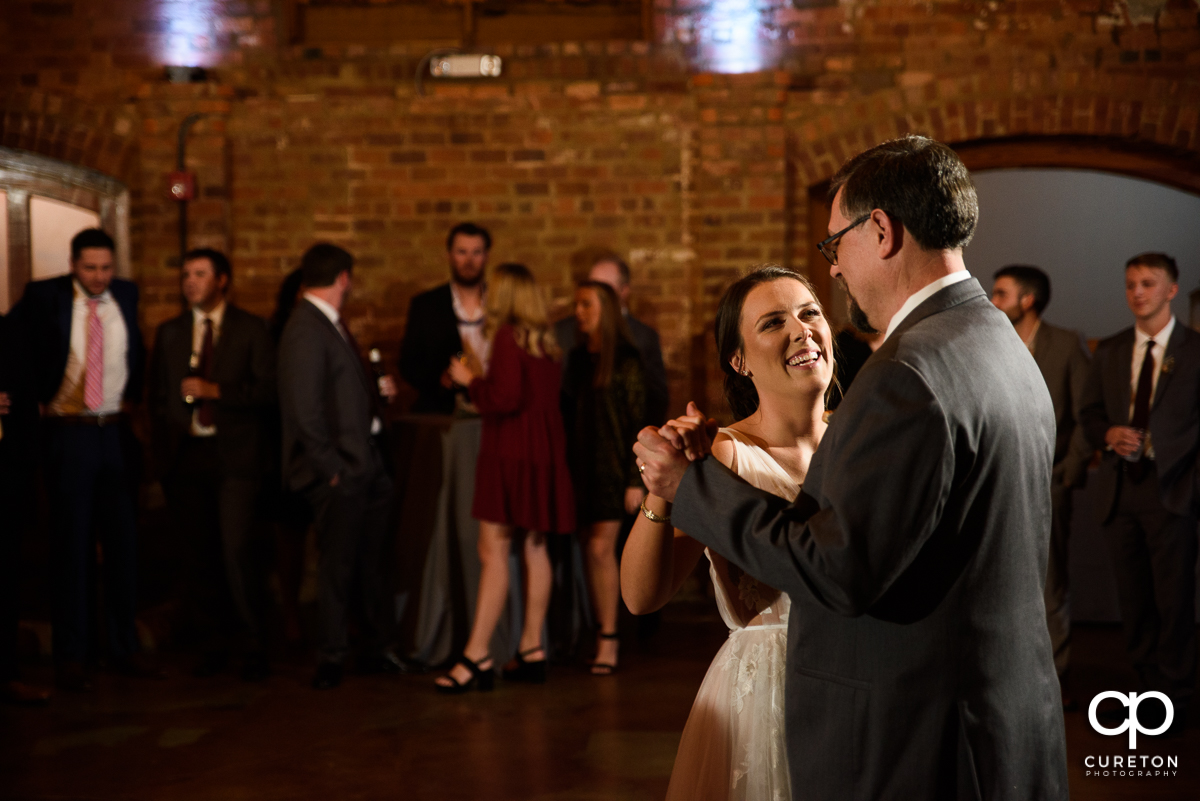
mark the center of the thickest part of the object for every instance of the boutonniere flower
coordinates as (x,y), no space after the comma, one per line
(1168,365)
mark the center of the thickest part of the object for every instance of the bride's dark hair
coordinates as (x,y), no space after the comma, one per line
(739,389)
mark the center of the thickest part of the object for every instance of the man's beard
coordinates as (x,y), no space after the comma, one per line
(858,317)
(468,283)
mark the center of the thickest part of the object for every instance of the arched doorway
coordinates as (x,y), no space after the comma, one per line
(45,202)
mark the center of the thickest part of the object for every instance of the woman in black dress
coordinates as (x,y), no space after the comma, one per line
(604,406)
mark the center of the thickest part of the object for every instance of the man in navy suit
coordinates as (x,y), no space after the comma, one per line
(83,361)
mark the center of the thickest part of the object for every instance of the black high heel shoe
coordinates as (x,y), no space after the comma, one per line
(483,680)
(533,672)
(605,668)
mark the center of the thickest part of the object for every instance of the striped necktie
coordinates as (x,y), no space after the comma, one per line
(93,387)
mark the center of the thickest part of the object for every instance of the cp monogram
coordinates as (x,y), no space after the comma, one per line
(1131,723)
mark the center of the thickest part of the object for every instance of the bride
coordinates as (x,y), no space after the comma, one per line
(776,350)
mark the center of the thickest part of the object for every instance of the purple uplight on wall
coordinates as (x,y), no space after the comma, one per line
(189,32)
(730,36)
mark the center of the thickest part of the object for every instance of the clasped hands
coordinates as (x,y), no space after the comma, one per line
(663,454)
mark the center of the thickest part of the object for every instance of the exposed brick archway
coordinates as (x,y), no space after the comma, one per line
(1133,124)
(70,130)
(1158,113)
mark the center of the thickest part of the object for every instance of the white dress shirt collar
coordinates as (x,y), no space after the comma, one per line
(1140,338)
(217,316)
(923,294)
(82,294)
(326,308)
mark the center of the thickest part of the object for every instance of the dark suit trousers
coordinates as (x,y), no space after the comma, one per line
(1154,558)
(1057,592)
(90,480)
(351,522)
(14,501)
(224,570)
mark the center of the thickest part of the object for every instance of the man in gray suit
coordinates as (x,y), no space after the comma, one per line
(332,452)
(918,663)
(1142,408)
(1022,292)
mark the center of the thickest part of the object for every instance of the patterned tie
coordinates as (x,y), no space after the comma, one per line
(206,415)
(93,387)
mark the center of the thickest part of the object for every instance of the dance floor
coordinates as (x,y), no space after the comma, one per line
(578,737)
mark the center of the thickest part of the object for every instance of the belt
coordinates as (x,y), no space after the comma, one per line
(97,420)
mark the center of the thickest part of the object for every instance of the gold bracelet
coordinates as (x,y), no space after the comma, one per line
(653,518)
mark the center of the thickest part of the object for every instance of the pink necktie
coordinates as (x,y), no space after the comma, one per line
(93,387)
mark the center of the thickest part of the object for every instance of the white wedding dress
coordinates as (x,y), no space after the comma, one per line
(733,746)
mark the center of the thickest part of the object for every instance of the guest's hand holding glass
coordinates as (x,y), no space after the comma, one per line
(1126,441)
(460,371)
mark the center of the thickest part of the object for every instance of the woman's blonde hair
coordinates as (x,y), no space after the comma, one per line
(513,299)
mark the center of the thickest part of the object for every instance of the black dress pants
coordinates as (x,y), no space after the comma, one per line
(91,480)
(352,525)
(15,494)
(1154,559)
(225,576)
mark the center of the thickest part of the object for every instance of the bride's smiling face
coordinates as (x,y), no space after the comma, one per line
(787,346)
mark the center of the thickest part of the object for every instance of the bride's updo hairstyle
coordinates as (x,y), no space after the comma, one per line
(740,393)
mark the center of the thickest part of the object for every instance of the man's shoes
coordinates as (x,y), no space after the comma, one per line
(210,664)
(384,662)
(19,693)
(255,667)
(72,677)
(136,666)
(328,676)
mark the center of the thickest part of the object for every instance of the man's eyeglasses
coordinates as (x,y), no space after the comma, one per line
(828,247)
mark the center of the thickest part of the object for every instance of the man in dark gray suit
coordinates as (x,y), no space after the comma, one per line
(918,664)
(1142,408)
(212,385)
(613,270)
(1022,292)
(332,451)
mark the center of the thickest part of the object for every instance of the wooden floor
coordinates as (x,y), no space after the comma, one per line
(578,737)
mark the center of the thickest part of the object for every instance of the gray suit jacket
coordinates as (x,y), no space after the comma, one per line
(326,403)
(648,344)
(1063,359)
(1174,418)
(918,663)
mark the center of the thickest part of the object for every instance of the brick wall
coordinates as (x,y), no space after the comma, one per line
(623,145)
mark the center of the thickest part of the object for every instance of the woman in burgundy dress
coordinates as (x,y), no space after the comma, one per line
(522,482)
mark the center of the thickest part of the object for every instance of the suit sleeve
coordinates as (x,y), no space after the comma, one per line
(303,385)
(417,360)
(852,535)
(1092,413)
(500,392)
(255,388)
(1080,450)
(137,351)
